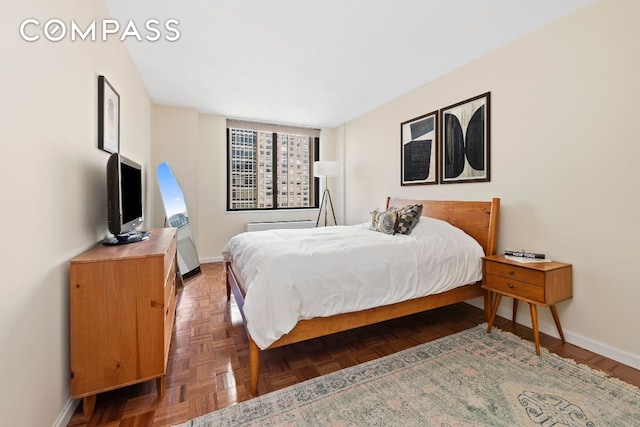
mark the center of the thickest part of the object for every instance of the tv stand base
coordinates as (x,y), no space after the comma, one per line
(123,239)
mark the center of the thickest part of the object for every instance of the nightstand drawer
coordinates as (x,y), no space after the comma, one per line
(513,272)
(507,286)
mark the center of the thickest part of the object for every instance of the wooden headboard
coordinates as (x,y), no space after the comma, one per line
(477,219)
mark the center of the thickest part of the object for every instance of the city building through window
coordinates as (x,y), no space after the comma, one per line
(271,167)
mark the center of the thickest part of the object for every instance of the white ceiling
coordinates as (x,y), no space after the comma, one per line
(317,63)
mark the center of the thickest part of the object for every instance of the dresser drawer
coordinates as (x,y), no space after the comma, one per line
(170,283)
(514,272)
(170,307)
(170,255)
(169,317)
(507,286)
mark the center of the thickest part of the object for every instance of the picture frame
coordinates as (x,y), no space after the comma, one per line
(419,150)
(465,141)
(108,116)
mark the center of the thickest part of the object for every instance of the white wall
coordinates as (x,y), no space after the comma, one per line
(174,136)
(53,193)
(194,145)
(564,154)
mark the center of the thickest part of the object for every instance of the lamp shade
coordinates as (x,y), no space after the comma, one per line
(325,168)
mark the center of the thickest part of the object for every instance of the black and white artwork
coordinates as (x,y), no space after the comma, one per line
(108,117)
(465,141)
(418,137)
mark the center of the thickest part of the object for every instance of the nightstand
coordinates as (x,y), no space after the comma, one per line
(540,283)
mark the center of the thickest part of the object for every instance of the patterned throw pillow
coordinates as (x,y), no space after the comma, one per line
(385,221)
(408,217)
(374,216)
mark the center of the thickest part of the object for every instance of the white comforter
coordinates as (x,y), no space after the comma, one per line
(289,275)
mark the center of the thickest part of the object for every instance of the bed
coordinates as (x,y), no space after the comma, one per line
(477,219)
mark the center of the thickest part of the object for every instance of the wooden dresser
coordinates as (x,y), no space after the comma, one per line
(540,283)
(122,308)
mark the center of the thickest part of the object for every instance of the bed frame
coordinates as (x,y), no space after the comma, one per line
(478,219)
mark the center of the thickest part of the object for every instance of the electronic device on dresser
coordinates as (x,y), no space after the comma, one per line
(124,201)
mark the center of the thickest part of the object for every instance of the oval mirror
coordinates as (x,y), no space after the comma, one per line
(176,215)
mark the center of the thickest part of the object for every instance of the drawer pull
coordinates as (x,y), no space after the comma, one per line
(510,271)
(510,286)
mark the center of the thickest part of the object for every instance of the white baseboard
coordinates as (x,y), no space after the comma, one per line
(67,412)
(605,350)
(211,259)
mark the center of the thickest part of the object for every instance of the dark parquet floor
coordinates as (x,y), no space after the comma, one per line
(208,359)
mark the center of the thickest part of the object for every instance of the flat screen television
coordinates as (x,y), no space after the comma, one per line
(124,201)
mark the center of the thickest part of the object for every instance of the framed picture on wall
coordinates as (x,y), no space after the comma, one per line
(419,149)
(108,117)
(465,141)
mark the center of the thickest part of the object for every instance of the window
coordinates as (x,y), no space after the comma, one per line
(270,167)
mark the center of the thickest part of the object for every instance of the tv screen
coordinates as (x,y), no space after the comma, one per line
(131,190)
(124,200)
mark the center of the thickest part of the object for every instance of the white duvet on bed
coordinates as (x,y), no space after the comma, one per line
(289,275)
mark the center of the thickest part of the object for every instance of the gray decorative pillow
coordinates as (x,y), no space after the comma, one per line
(385,221)
(408,217)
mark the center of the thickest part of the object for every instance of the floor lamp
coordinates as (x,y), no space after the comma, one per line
(325,169)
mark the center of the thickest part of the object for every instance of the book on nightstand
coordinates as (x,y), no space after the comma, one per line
(524,254)
(525,260)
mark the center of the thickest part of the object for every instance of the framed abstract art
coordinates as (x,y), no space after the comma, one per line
(465,141)
(419,150)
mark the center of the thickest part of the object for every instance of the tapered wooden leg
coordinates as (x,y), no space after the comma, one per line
(88,405)
(494,310)
(226,281)
(487,306)
(254,365)
(515,310)
(534,322)
(556,319)
(160,386)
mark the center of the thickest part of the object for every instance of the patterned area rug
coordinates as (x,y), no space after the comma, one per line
(468,379)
